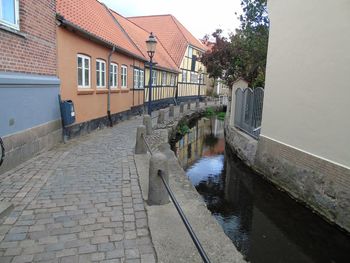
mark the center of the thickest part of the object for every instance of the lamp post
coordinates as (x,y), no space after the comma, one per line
(199,81)
(151,43)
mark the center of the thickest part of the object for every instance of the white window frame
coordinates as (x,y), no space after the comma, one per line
(83,57)
(136,78)
(142,79)
(101,73)
(164,77)
(124,76)
(154,78)
(113,75)
(184,76)
(7,23)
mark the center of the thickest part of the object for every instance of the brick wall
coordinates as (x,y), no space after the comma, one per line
(36,51)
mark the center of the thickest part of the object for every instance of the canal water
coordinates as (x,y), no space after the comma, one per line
(265,224)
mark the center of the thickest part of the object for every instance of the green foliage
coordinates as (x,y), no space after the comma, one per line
(183,128)
(221,115)
(243,54)
(209,112)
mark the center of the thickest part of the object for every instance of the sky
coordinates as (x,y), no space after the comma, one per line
(199,17)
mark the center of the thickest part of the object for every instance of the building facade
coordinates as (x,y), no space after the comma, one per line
(29,87)
(304,142)
(184,49)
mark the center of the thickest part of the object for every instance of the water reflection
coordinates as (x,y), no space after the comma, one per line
(265,224)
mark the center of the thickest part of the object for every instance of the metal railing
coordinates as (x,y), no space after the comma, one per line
(2,151)
(184,219)
(248,110)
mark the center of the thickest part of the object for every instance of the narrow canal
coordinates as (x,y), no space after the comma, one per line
(265,224)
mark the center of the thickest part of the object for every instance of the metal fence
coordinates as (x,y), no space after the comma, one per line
(248,110)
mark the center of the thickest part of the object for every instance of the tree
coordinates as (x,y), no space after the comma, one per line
(243,55)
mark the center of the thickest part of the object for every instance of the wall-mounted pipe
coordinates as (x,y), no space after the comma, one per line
(109,88)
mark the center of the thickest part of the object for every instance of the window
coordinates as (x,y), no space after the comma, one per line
(9,14)
(184,76)
(194,77)
(142,79)
(190,52)
(136,78)
(83,71)
(113,75)
(154,77)
(124,76)
(163,78)
(100,73)
(172,80)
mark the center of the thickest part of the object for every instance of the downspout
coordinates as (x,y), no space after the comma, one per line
(109,88)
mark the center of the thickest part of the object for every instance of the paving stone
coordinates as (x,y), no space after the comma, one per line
(117,253)
(23,259)
(97,256)
(80,197)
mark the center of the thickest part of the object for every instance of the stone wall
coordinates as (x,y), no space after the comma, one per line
(23,145)
(319,184)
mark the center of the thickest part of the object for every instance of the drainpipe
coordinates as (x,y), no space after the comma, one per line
(109,88)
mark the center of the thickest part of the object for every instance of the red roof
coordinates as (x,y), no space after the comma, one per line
(174,36)
(139,37)
(94,17)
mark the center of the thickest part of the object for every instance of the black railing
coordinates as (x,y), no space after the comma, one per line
(195,240)
(2,151)
(187,224)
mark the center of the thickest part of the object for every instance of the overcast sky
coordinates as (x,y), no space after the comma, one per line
(199,17)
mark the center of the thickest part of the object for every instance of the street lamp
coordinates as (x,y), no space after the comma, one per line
(151,43)
(199,81)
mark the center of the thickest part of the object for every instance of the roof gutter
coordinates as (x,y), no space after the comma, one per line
(63,22)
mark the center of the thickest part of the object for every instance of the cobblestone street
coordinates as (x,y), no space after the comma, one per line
(80,202)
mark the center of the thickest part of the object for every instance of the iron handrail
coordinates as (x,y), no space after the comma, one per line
(2,151)
(147,145)
(185,221)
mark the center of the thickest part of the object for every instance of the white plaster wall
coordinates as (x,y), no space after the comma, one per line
(307,94)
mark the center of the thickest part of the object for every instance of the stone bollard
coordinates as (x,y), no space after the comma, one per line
(206,102)
(182,107)
(189,105)
(166,150)
(140,146)
(161,116)
(171,111)
(197,103)
(147,121)
(157,193)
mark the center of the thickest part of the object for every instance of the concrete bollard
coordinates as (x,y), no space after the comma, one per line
(182,107)
(161,116)
(189,105)
(197,103)
(140,146)
(206,102)
(171,111)
(157,193)
(147,121)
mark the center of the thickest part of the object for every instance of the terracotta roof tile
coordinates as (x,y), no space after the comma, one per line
(93,17)
(139,37)
(174,36)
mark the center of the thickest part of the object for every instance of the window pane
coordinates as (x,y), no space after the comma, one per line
(97,66)
(86,63)
(103,82)
(98,78)
(80,62)
(80,77)
(8,11)
(115,80)
(87,80)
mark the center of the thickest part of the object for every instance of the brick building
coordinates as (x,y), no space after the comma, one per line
(29,109)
